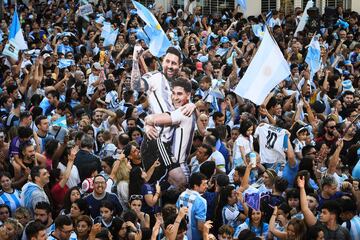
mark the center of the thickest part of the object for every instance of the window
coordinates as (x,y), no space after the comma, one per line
(304,2)
(211,6)
(267,5)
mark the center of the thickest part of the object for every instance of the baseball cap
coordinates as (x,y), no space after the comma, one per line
(199,66)
(46,55)
(203,59)
(224,40)
(97,66)
(347,86)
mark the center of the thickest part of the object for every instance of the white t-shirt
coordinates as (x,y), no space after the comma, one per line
(112,100)
(90,87)
(219,160)
(272,141)
(74,178)
(242,141)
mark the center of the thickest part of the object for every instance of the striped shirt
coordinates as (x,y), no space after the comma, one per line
(259,231)
(159,97)
(11,199)
(73,236)
(230,214)
(49,230)
(183,135)
(197,211)
(354,228)
(112,100)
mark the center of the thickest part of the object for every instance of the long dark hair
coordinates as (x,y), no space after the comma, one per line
(222,200)
(83,206)
(109,85)
(67,201)
(135,181)
(262,221)
(245,125)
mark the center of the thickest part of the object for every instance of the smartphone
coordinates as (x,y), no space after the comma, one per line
(253,159)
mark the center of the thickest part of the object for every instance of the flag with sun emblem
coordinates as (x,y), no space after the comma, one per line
(159,42)
(267,69)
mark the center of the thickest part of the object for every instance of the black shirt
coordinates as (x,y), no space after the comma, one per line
(86,164)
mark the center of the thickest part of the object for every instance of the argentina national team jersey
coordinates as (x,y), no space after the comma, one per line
(11,199)
(183,135)
(273,141)
(354,227)
(197,211)
(158,91)
(73,236)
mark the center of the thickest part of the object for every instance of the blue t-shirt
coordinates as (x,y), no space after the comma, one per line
(210,198)
(197,211)
(289,173)
(333,197)
(145,190)
(356,171)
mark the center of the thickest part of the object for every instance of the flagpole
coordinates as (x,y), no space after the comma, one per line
(348,127)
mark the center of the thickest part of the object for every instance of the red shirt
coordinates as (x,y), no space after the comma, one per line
(58,194)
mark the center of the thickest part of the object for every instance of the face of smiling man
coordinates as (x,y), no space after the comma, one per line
(171,66)
(179,97)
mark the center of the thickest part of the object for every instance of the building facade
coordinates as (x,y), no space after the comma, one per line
(255,7)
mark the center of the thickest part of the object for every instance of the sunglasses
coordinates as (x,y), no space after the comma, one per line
(136,197)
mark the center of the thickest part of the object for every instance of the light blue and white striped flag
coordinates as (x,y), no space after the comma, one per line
(16,33)
(110,36)
(313,56)
(60,122)
(242,4)
(258,30)
(64,63)
(267,69)
(142,36)
(304,18)
(159,43)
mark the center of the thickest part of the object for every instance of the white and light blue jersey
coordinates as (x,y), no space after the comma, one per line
(11,199)
(197,211)
(259,231)
(230,214)
(354,228)
(73,236)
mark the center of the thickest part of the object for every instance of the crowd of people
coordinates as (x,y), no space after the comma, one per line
(103,141)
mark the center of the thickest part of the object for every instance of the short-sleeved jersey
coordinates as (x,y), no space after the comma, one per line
(183,135)
(158,91)
(197,211)
(272,141)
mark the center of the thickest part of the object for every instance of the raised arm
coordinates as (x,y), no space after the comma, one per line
(245,180)
(70,163)
(273,230)
(335,158)
(290,153)
(309,217)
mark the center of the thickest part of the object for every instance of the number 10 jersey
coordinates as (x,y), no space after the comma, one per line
(273,141)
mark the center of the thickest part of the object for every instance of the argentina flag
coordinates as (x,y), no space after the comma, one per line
(159,42)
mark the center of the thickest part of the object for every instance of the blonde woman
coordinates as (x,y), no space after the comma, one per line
(122,182)
(83,123)
(11,229)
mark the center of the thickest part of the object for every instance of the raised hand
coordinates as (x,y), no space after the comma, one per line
(301,181)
